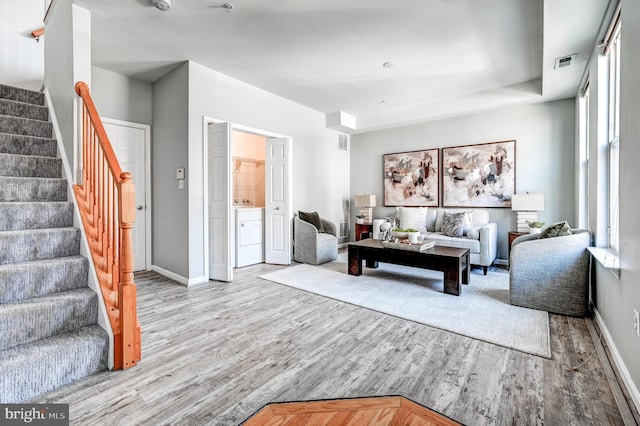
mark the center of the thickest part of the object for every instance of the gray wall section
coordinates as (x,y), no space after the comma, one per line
(169,152)
(615,299)
(121,97)
(544,135)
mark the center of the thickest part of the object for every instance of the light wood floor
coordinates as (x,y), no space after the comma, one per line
(217,353)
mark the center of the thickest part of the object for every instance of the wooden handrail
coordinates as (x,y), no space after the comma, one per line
(106,201)
(37,33)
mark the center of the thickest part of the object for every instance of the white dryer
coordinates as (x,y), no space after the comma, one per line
(249,235)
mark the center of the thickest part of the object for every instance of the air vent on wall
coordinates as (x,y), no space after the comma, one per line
(344,229)
(565,61)
(343,142)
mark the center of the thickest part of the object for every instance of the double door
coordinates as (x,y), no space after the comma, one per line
(277,216)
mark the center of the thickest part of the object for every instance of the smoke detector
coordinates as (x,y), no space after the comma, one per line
(565,61)
(163,5)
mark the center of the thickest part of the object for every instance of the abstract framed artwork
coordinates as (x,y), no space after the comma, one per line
(412,178)
(482,175)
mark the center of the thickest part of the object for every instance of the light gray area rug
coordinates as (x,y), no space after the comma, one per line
(482,311)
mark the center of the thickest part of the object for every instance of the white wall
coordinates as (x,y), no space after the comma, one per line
(320,170)
(544,135)
(121,97)
(67,61)
(614,298)
(21,57)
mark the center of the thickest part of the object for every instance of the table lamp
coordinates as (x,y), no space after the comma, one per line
(366,204)
(527,207)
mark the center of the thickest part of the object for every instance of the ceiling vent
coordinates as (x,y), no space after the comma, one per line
(343,142)
(565,61)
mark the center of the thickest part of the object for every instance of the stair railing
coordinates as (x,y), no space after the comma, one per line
(106,201)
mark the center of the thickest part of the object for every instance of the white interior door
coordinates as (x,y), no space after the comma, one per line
(129,142)
(277,205)
(219,184)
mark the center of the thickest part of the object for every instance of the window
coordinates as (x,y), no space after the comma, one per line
(583,196)
(613,49)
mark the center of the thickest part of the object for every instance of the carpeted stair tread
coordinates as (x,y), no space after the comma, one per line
(15,108)
(49,336)
(25,126)
(35,215)
(30,370)
(32,189)
(27,145)
(40,278)
(21,95)
(30,166)
(39,244)
(34,319)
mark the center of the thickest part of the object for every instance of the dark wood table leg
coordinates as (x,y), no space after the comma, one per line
(355,262)
(371,263)
(452,280)
(466,273)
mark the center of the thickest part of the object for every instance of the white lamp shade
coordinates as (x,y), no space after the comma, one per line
(527,202)
(365,200)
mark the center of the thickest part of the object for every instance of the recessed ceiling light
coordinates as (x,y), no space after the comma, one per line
(388,65)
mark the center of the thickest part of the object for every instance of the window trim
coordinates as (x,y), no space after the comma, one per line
(613,137)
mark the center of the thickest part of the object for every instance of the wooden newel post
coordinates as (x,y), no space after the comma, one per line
(127,293)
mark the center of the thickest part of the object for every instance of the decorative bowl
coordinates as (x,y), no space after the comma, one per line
(399,234)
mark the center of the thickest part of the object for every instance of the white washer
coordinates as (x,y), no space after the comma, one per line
(249,235)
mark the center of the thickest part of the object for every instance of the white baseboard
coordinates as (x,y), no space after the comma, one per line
(501,262)
(617,359)
(187,282)
(175,277)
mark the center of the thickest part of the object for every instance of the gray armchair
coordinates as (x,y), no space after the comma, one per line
(311,246)
(551,274)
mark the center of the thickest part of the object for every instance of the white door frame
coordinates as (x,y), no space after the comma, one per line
(206,120)
(147,171)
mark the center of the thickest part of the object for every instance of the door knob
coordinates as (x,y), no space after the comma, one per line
(276,208)
(139,207)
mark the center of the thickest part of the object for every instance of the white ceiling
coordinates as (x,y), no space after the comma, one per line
(450,56)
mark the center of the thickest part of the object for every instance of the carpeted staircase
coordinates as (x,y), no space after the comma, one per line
(49,335)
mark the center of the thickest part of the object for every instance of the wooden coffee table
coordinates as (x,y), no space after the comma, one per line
(454,262)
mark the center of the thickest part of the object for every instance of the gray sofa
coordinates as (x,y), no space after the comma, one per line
(311,246)
(480,237)
(551,274)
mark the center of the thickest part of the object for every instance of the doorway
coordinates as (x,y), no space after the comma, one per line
(218,169)
(248,194)
(131,145)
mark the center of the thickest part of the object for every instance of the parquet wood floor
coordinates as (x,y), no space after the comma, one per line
(377,411)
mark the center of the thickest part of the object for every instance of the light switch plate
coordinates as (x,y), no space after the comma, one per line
(180,173)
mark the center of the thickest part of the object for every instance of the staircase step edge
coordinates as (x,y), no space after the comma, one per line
(30,370)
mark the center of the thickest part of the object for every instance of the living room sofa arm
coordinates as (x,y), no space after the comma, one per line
(561,249)
(303,230)
(488,243)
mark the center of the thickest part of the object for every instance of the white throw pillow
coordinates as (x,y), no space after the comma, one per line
(413,217)
(473,233)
